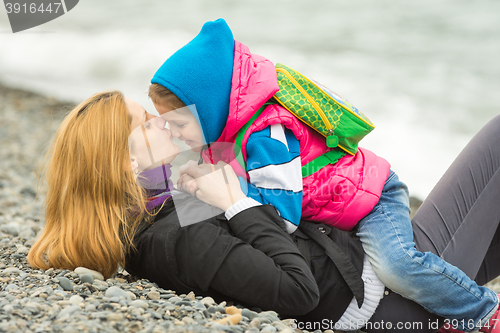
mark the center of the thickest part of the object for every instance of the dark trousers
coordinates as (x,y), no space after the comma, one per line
(459,221)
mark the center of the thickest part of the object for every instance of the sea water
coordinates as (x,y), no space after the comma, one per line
(426,72)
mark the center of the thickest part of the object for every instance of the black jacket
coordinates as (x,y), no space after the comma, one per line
(249,259)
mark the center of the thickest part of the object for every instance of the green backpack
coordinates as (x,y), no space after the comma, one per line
(321,109)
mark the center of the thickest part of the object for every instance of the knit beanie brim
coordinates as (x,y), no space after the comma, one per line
(200,73)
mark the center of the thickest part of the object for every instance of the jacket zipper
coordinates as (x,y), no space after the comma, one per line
(316,106)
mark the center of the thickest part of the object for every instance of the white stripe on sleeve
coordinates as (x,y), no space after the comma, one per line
(286,176)
(278,133)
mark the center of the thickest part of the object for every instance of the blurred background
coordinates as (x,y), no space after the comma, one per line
(426,72)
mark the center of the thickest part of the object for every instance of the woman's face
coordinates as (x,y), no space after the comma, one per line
(150,141)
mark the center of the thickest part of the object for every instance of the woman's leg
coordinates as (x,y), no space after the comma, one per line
(398,314)
(437,224)
(490,268)
(461,215)
(441,288)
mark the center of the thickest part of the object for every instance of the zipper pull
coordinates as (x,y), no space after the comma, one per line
(332,140)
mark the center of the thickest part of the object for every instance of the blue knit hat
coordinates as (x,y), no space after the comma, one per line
(200,73)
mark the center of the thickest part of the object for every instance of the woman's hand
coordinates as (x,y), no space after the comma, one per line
(185,182)
(216,185)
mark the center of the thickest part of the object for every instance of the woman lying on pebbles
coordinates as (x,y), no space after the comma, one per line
(109,206)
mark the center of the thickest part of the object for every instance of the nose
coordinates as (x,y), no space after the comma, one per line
(160,122)
(175,133)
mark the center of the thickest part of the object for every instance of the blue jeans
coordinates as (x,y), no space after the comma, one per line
(441,288)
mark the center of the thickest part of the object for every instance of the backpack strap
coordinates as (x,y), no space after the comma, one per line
(330,157)
(319,162)
(241,133)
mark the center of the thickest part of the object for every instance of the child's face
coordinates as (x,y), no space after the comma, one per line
(183,126)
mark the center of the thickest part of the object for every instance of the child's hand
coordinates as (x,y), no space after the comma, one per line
(184,167)
(217,184)
(185,182)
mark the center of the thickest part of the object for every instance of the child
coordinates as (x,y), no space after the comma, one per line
(223,85)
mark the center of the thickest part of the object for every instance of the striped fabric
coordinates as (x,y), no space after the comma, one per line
(274,167)
(355,318)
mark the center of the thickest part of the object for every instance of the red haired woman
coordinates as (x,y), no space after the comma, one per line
(110,203)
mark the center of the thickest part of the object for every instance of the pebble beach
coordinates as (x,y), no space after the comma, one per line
(33,300)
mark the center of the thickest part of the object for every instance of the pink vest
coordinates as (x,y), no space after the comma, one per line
(339,195)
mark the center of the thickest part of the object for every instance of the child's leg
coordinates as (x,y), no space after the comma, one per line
(443,289)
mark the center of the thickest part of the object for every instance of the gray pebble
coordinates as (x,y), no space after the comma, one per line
(254,323)
(136,311)
(22,250)
(280,326)
(75,299)
(27,191)
(271,315)
(95,274)
(8,308)
(26,233)
(71,329)
(106,306)
(10,228)
(154,295)
(264,320)
(140,304)
(116,292)
(220,327)
(208,301)
(289,330)
(252,330)
(249,314)
(114,317)
(268,329)
(90,308)
(100,283)
(200,306)
(11,286)
(168,306)
(12,270)
(67,312)
(65,283)
(186,308)
(131,295)
(198,316)
(87,278)
(33,308)
(175,299)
